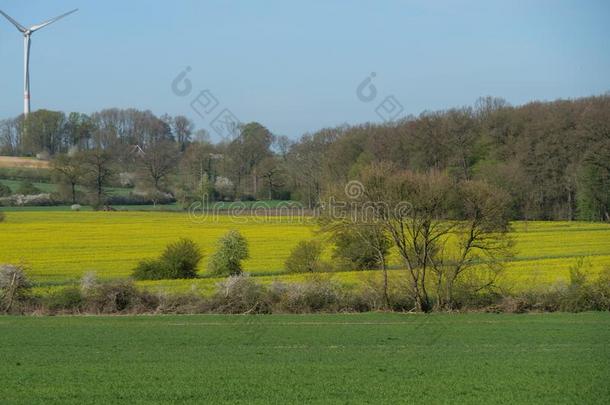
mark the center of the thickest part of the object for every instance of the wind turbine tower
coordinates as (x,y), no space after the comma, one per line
(27,34)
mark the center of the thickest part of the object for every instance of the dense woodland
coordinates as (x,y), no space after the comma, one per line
(552,158)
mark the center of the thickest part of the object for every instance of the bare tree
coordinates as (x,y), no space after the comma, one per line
(182,128)
(69,170)
(246,151)
(430,218)
(157,163)
(9,137)
(98,170)
(271,171)
(478,245)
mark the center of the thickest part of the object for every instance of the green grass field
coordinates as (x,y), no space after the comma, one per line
(174,207)
(361,358)
(51,188)
(59,247)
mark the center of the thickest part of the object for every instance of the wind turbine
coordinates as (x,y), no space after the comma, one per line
(27,33)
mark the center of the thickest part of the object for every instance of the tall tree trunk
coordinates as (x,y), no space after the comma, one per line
(386,297)
(270,189)
(73,193)
(570,215)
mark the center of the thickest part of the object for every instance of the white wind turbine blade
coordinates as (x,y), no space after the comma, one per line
(15,23)
(51,21)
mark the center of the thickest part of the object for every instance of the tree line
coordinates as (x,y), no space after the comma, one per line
(551,159)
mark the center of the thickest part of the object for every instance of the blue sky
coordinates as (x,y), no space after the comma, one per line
(295,66)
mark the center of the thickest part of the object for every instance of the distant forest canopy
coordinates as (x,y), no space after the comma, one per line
(552,158)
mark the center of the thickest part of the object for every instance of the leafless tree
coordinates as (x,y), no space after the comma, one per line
(157,163)
(440,229)
(97,165)
(271,171)
(182,129)
(69,170)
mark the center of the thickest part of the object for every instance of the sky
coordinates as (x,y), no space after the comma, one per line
(299,66)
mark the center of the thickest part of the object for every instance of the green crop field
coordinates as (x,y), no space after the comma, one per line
(219,206)
(51,188)
(360,358)
(60,247)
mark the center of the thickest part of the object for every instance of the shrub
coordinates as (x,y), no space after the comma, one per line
(14,286)
(305,257)
(188,303)
(65,299)
(28,188)
(12,276)
(581,294)
(400,295)
(232,249)
(88,281)
(240,294)
(576,295)
(315,295)
(179,260)
(357,247)
(2,216)
(111,297)
(182,259)
(5,191)
(601,289)
(150,269)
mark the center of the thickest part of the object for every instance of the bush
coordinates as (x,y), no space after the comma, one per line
(182,259)
(583,295)
(96,297)
(12,276)
(305,258)
(111,297)
(28,188)
(232,249)
(5,191)
(355,247)
(240,294)
(315,295)
(400,295)
(14,286)
(2,216)
(579,294)
(88,281)
(601,289)
(179,260)
(65,299)
(150,269)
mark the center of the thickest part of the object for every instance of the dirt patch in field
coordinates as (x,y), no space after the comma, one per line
(10,161)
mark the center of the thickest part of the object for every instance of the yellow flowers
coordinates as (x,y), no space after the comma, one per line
(60,247)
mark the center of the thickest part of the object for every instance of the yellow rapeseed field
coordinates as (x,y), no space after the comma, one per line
(59,247)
